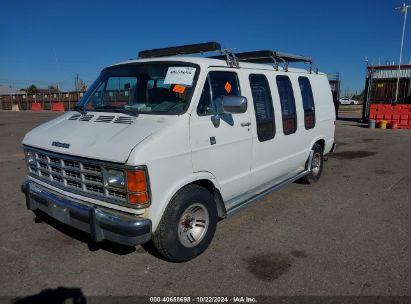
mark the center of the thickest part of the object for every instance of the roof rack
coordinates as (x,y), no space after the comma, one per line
(270,57)
(191,49)
(266,56)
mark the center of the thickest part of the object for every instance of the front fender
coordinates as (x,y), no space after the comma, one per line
(157,210)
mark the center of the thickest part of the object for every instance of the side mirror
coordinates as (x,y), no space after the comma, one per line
(228,105)
(234,104)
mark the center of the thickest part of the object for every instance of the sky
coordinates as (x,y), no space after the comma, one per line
(49,42)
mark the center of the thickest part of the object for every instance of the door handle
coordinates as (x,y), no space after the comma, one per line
(245,124)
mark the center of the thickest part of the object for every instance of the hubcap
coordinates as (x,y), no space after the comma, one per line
(316,164)
(193,225)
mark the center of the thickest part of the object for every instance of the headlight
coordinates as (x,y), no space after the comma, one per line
(115,178)
(30,158)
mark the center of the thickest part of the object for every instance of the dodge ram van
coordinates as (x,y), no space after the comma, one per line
(162,147)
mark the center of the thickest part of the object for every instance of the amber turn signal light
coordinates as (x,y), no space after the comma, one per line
(140,198)
(136,181)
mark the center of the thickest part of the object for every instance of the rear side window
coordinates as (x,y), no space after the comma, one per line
(287,101)
(263,107)
(218,83)
(308,102)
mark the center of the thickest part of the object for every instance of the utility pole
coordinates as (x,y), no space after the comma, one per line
(76,85)
(403,9)
(11,99)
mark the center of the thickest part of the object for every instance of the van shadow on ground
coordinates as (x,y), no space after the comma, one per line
(59,295)
(84,237)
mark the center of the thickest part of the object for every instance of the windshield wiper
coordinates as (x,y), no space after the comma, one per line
(80,109)
(130,111)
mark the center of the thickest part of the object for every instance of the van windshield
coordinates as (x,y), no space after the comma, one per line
(146,88)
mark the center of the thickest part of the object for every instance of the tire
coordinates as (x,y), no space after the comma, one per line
(317,162)
(352,103)
(187,225)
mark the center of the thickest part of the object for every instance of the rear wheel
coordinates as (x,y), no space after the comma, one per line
(187,226)
(317,161)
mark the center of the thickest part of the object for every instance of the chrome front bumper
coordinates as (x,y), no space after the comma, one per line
(100,223)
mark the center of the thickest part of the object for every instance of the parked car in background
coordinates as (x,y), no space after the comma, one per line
(347,101)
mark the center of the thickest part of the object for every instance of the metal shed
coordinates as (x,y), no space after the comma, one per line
(380,86)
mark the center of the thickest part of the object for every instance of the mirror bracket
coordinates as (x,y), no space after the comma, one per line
(215,119)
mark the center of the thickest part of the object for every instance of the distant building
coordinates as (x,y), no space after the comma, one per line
(380,86)
(7,90)
(382,80)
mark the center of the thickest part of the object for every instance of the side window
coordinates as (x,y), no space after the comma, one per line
(217,84)
(287,101)
(263,107)
(308,102)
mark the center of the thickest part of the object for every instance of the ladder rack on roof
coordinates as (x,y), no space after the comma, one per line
(265,57)
(270,57)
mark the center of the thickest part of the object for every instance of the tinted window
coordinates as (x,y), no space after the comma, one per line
(222,84)
(308,102)
(263,107)
(287,101)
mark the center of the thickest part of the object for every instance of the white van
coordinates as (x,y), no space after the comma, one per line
(162,147)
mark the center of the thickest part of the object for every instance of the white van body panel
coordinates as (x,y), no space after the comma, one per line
(90,139)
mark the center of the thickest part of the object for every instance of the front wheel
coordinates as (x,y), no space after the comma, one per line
(187,226)
(317,161)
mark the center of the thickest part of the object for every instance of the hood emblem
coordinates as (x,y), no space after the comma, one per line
(60,144)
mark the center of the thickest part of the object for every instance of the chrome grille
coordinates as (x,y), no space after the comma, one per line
(89,167)
(58,179)
(74,184)
(75,175)
(55,160)
(93,178)
(115,193)
(56,170)
(72,164)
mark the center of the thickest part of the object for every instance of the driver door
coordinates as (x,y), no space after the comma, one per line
(224,150)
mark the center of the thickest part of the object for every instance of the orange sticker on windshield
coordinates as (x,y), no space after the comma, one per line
(179,89)
(227,87)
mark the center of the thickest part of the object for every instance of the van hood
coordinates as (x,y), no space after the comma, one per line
(105,136)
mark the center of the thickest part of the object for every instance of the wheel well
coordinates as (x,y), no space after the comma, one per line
(205,183)
(321,142)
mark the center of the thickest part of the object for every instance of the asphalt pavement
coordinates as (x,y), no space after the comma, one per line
(349,234)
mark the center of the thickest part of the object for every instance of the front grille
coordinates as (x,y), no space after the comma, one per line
(93,178)
(72,164)
(74,184)
(58,179)
(115,193)
(75,175)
